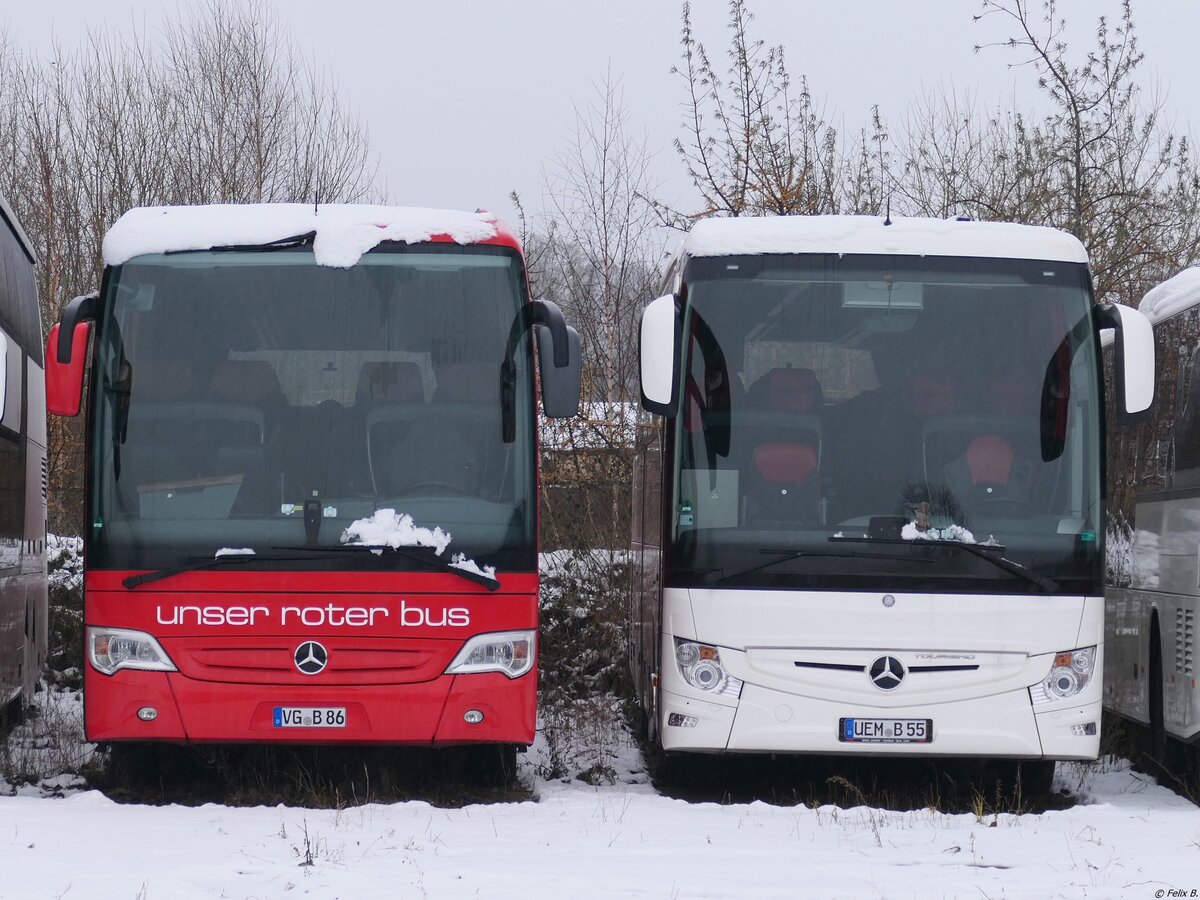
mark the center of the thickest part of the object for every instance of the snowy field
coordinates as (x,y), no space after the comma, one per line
(1125,837)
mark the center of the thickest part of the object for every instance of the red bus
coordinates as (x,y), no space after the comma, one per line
(312,475)
(23,606)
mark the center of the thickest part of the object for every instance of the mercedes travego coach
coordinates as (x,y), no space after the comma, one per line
(870,519)
(311,505)
(23,611)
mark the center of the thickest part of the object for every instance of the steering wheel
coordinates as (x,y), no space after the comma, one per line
(993,498)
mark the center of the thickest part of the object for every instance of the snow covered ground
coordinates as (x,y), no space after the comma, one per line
(1125,837)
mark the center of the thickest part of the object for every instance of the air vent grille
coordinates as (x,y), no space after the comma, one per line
(1185,641)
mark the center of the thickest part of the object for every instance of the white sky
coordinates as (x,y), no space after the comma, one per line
(468,100)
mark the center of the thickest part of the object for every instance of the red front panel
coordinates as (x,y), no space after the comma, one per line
(234,636)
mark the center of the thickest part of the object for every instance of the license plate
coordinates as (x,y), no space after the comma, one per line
(885,731)
(310,717)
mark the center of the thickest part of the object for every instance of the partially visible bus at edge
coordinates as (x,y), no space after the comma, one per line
(23,605)
(869,515)
(312,475)
(1154,484)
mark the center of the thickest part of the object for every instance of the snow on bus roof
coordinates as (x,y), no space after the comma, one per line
(1173,296)
(752,236)
(343,232)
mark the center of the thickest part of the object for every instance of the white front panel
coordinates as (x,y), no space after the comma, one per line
(806,657)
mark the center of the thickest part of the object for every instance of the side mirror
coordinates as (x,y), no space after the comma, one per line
(560,384)
(1133,362)
(64,379)
(3,371)
(658,355)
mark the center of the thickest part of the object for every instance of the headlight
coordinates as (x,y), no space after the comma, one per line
(110,649)
(510,652)
(1070,673)
(700,666)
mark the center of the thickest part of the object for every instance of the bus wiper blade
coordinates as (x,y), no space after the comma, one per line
(196,564)
(716,576)
(430,560)
(983,551)
(284,243)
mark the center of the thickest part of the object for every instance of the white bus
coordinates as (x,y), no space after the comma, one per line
(1154,597)
(868,504)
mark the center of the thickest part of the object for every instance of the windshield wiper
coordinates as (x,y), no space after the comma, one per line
(430,560)
(197,563)
(283,243)
(983,551)
(718,575)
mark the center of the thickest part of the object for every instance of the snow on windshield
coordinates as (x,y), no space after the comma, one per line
(460,561)
(234,551)
(387,528)
(343,232)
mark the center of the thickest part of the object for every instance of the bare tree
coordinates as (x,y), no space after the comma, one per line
(1114,174)
(594,259)
(221,109)
(603,229)
(753,140)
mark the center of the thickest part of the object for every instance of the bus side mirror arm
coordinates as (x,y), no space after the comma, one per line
(559,359)
(658,355)
(81,309)
(1133,359)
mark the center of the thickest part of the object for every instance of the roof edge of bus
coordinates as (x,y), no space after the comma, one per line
(342,232)
(900,235)
(14,225)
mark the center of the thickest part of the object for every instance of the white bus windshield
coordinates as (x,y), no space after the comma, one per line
(887,423)
(252,400)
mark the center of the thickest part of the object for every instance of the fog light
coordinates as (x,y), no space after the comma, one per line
(147,713)
(682,721)
(472,717)
(1086,730)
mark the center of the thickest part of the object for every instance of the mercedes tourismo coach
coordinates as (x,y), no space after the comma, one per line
(1154,592)
(871,519)
(23,611)
(311,503)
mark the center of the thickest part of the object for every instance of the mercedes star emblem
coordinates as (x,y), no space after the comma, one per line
(886,673)
(311,658)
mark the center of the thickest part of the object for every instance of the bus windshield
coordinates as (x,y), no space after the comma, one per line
(887,423)
(253,400)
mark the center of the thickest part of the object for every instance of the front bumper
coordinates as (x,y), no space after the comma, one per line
(425,713)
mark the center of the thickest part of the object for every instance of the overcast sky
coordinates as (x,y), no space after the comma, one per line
(468,100)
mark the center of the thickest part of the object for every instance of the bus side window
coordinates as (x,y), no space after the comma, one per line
(1186,433)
